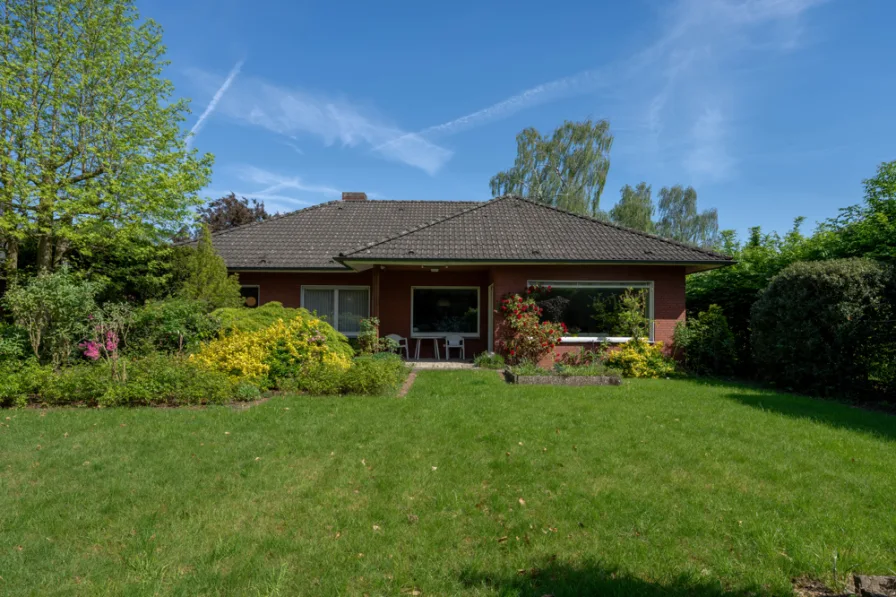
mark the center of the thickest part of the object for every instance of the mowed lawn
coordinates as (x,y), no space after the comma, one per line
(467,486)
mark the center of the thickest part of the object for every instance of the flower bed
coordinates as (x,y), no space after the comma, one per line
(560,375)
(562,380)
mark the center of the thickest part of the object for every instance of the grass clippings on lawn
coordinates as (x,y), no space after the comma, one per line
(468,486)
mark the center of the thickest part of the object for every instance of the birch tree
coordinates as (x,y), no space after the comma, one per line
(567,169)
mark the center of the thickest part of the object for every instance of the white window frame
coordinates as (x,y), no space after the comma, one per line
(443,334)
(336,289)
(612,285)
(258,286)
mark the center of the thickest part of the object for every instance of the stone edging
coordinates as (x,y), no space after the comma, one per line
(560,380)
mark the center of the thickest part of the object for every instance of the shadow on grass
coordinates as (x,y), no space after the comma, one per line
(828,412)
(591,578)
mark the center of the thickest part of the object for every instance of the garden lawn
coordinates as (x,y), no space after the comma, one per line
(467,486)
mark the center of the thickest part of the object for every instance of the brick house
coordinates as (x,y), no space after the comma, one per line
(431,268)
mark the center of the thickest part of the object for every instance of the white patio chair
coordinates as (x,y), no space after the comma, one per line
(455,341)
(402,345)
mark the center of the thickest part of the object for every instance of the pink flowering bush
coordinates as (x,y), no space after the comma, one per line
(108,328)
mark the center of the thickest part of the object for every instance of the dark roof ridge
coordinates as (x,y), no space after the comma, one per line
(625,228)
(325,203)
(479,205)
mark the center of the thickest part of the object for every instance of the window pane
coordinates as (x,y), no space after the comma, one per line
(321,302)
(446,311)
(353,307)
(250,295)
(587,311)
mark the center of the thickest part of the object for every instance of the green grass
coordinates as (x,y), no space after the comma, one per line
(652,488)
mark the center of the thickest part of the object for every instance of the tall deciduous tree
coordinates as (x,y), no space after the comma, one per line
(566,170)
(868,230)
(635,208)
(680,220)
(90,144)
(231,211)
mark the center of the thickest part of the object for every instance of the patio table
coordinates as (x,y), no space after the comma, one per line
(435,347)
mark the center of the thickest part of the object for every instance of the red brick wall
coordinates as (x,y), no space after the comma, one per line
(395,296)
(395,292)
(286,287)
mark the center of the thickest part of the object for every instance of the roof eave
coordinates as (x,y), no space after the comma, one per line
(691,266)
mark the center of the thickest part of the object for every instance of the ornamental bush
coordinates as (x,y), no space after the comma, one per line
(374,375)
(705,344)
(287,349)
(827,328)
(486,360)
(152,380)
(252,320)
(172,325)
(13,342)
(522,336)
(639,358)
(53,309)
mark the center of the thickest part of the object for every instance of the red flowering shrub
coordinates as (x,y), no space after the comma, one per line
(522,337)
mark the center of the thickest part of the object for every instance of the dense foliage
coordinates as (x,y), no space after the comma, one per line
(639,358)
(91,148)
(231,211)
(375,374)
(205,275)
(294,348)
(634,209)
(171,325)
(867,230)
(680,219)
(566,169)
(521,335)
(54,311)
(828,328)
(152,380)
(705,344)
(735,288)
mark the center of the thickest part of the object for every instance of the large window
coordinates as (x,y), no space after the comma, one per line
(591,309)
(437,311)
(342,306)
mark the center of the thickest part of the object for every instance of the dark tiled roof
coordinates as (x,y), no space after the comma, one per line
(516,229)
(503,229)
(311,237)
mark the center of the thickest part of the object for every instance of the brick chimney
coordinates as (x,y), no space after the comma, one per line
(354,196)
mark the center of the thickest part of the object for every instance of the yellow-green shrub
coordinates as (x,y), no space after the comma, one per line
(637,358)
(282,350)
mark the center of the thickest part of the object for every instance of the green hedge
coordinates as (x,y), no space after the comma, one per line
(827,328)
(151,380)
(705,344)
(370,375)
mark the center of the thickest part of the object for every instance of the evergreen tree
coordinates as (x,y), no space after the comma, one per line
(206,278)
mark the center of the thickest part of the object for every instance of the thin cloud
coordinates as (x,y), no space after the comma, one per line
(670,81)
(273,182)
(215,100)
(272,187)
(291,112)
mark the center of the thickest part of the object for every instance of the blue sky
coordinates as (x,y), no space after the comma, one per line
(771,109)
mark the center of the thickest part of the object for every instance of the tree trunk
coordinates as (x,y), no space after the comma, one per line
(11,263)
(45,225)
